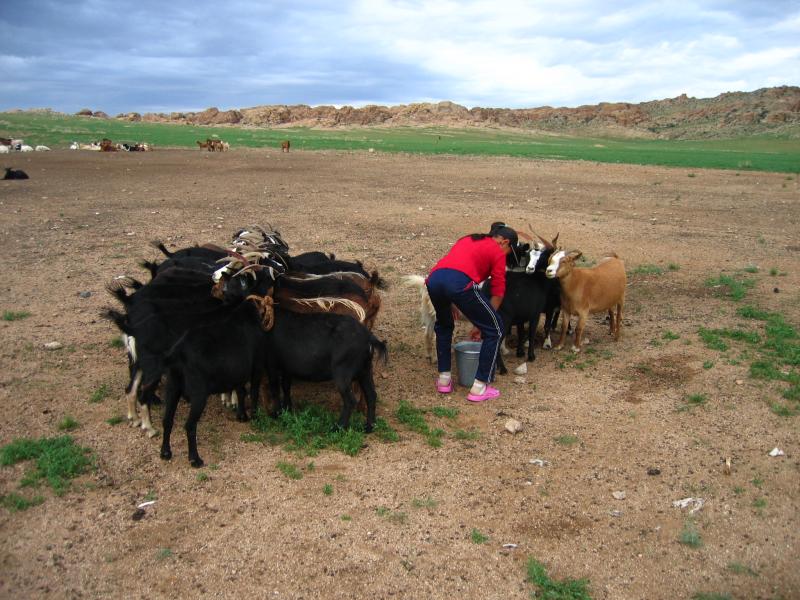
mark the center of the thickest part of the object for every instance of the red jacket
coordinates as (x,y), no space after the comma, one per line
(478,260)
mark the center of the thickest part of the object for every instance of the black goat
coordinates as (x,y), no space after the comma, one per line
(529,294)
(15,174)
(160,313)
(322,347)
(213,359)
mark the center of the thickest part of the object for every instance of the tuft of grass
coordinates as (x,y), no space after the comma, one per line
(647,270)
(477,537)
(669,335)
(444,411)
(327,489)
(99,394)
(427,502)
(346,518)
(414,419)
(115,420)
(14,502)
(384,431)
(689,536)
(461,434)
(757,481)
(741,569)
(117,343)
(567,440)
(711,596)
(736,288)
(567,589)
(783,410)
(68,424)
(163,554)
(693,400)
(751,269)
(708,364)
(57,461)
(760,504)
(15,315)
(307,431)
(202,477)
(288,469)
(674,267)
(712,340)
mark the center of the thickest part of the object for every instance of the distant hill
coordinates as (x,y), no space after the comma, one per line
(733,114)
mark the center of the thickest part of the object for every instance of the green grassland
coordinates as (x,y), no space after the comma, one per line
(756,153)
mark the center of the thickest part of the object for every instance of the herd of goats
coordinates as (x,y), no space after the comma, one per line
(215,320)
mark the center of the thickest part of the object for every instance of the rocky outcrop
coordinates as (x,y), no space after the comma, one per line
(729,114)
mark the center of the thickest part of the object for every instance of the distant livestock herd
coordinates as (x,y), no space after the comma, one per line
(8,145)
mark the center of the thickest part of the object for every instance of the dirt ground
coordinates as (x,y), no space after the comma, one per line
(400,519)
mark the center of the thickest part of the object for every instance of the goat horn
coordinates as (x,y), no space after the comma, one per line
(544,241)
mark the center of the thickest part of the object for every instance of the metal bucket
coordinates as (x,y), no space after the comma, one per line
(467,361)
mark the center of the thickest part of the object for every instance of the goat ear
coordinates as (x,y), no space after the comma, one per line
(555,239)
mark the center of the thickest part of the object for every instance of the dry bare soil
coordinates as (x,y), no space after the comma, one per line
(400,520)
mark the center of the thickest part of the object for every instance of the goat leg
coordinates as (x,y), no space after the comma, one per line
(564,325)
(576,346)
(198,404)
(238,396)
(348,402)
(171,396)
(367,385)
(131,395)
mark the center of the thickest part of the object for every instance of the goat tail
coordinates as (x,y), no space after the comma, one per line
(151,266)
(118,287)
(377,281)
(119,319)
(417,281)
(379,347)
(159,245)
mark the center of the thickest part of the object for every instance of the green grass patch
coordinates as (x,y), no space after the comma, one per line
(384,431)
(414,419)
(14,502)
(669,335)
(750,269)
(67,424)
(99,394)
(115,420)
(646,270)
(712,340)
(427,502)
(202,477)
(117,343)
(307,431)
(783,410)
(765,152)
(551,589)
(708,364)
(693,401)
(690,536)
(461,434)
(164,553)
(56,461)
(477,537)
(290,470)
(674,267)
(327,489)
(567,440)
(711,596)
(732,287)
(740,569)
(15,315)
(445,412)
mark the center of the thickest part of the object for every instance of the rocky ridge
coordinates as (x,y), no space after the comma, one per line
(730,114)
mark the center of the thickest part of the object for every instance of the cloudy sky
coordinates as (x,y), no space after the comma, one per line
(179,55)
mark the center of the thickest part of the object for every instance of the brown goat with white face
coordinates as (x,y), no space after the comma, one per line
(585,291)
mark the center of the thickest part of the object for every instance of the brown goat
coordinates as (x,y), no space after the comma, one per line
(285,145)
(363,307)
(586,291)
